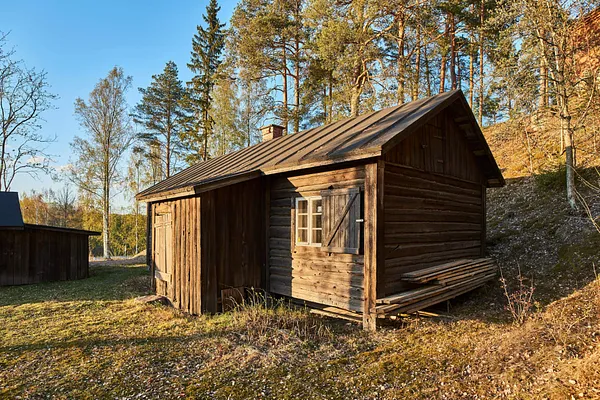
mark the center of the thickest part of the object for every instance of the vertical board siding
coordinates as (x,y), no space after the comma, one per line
(181,253)
(374,266)
(38,254)
(216,244)
(233,226)
(309,273)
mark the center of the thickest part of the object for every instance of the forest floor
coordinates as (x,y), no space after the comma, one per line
(90,339)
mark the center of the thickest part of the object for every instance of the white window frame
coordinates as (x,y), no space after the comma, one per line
(309,215)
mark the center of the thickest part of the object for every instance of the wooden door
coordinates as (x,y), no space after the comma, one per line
(163,252)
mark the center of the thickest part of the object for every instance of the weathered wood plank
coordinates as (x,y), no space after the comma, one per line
(371,205)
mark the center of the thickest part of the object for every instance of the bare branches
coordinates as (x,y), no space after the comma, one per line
(24,96)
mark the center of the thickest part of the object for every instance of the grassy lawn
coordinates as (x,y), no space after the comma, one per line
(90,339)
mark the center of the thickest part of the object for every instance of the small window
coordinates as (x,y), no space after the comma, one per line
(309,221)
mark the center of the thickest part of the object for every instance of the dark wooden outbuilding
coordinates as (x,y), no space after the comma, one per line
(36,253)
(348,215)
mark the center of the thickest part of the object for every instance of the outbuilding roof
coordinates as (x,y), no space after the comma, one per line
(10,211)
(366,136)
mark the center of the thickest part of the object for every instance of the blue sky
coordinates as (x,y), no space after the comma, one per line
(78,42)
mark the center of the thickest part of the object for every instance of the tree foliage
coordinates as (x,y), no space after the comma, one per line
(207,48)
(162,116)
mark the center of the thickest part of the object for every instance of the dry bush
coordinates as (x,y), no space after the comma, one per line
(262,319)
(520,301)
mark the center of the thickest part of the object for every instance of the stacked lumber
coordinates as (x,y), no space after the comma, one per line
(439,283)
(452,272)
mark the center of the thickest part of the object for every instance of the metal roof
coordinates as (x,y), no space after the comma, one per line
(10,210)
(365,136)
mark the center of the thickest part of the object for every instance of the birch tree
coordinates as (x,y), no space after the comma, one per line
(105,119)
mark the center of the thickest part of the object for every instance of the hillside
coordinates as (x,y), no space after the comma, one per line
(91,339)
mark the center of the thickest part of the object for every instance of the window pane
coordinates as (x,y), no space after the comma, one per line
(302,236)
(302,221)
(317,206)
(317,236)
(317,221)
(302,206)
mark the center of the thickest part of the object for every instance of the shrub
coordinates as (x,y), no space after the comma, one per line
(520,301)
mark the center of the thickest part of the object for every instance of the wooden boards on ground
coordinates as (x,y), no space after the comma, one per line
(437,284)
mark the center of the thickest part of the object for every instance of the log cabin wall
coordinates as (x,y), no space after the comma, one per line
(434,202)
(308,272)
(42,254)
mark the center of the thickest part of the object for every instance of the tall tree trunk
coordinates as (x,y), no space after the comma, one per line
(443,73)
(297,83)
(324,105)
(567,132)
(168,151)
(481,58)
(137,213)
(427,72)
(205,136)
(357,88)
(543,101)
(106,215)
(2,162)
(401,62)
(444,60)
(330,96)
(471,69)
(354,101)
(417,75)
(297,101)
(452,32)
(285,87)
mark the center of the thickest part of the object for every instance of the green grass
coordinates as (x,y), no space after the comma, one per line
(89,339)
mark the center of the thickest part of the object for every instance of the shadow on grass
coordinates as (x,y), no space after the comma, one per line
(104,284)
(111,343)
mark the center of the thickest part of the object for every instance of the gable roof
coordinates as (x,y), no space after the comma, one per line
(366,136)
(10,211)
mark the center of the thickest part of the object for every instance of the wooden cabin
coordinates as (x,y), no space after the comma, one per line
(37,253)
(335,215)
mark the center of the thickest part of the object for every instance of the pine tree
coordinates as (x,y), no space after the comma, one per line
(347,38)
(162,115)
(207,46)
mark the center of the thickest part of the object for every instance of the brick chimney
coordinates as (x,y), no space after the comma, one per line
(271,132)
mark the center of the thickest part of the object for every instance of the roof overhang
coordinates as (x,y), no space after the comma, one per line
(200,187)
(61,229)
